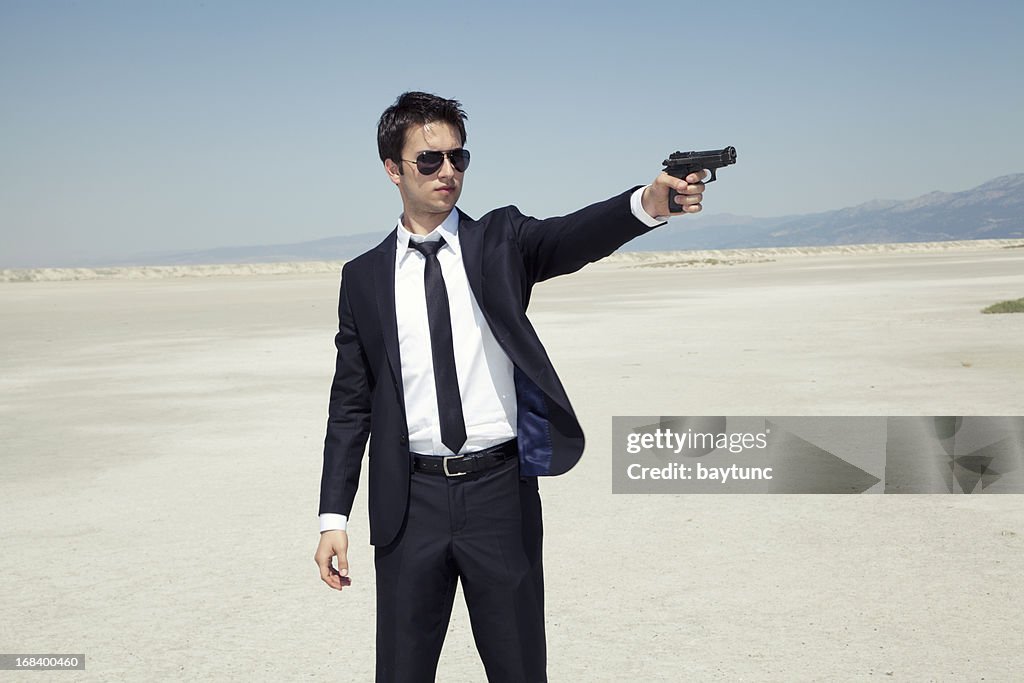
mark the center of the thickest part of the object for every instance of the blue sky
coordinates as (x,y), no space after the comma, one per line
(129,127)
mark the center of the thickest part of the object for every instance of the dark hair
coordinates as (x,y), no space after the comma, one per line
(415,109)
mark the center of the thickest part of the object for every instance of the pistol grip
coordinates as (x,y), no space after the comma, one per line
(672,206)
(672,194)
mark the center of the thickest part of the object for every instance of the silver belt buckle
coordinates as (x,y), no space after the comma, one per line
(445,465)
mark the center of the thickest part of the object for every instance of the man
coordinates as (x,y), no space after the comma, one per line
(439,367)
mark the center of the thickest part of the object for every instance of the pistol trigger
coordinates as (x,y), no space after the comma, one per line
(713,177)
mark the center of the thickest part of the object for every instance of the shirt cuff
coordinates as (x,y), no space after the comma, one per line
(636,205)
(330,521)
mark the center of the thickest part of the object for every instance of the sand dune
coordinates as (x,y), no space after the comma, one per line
(642,258)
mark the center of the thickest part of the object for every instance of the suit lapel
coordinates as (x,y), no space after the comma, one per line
(472,245)
(471,240)
(384,281)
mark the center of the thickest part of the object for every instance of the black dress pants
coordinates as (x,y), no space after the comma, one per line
(484,529)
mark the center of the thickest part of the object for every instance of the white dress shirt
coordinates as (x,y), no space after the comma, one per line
(484,371)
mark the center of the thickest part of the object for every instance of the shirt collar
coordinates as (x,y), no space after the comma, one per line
(449,230)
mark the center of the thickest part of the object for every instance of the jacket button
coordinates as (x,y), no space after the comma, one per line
(403,439)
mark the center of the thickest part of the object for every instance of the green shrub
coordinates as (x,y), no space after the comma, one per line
(1014,306)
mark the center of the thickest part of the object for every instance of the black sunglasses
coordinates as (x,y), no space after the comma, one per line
(428,163)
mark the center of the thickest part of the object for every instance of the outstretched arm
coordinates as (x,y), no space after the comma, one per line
(564,244)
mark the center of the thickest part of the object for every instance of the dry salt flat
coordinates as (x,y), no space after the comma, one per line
(160,435)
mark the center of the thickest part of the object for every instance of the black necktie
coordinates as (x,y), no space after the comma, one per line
(449,402)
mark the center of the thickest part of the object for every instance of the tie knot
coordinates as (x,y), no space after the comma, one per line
(428,249)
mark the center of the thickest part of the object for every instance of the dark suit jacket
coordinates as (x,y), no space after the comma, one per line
(504,253)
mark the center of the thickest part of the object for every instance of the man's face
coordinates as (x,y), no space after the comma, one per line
(427,194)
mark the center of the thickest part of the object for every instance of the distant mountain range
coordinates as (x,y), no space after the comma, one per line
(327,249)
(994,210)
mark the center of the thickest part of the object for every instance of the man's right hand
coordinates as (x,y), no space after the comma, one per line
(333,543)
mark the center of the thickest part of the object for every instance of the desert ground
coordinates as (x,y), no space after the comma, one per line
(161,435)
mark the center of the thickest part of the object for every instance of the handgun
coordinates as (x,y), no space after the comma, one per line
(682,164)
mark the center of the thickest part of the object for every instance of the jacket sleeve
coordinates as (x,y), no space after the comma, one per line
(556,246)
(348,420)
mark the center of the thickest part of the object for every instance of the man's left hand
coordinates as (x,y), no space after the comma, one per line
(690,189)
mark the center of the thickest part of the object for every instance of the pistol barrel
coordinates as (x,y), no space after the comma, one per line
(715,158)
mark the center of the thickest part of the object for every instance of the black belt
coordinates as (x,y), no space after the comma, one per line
(459,465)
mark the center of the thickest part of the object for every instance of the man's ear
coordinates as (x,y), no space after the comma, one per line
(393,171)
